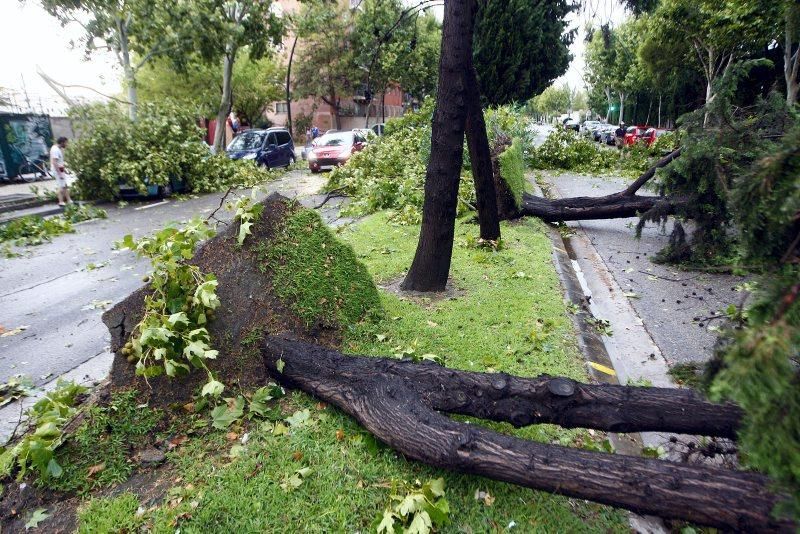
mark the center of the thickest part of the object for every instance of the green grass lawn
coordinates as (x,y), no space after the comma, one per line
(508,315)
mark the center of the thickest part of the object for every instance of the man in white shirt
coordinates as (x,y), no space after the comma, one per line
(58,171)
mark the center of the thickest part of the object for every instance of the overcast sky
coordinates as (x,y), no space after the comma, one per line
(31,38)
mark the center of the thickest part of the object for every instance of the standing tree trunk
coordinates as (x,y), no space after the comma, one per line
(225,102)
(608,99)
(481,160)
(124,55)
(288,92)
(791,62)
(621,107)
(431,263)
(383,105)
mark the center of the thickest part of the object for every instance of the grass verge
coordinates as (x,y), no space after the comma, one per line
(507,315)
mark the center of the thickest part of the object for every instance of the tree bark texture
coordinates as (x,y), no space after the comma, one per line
(623,204)
(481,160)
(431,263)
(225,100)
(288,87)
(399,402)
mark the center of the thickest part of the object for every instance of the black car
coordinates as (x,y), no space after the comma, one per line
(271,148)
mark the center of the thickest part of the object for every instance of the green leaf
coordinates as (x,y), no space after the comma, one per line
(223,416)
(437,486)
(39,515)
(244,230)
(299,418)
(387,523)
(212,388)
(421,524)
(53,469)
(279,365)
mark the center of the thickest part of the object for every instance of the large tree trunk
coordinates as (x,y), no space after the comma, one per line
(431,263)
(623,204)
(481,160)
(127,68)
(288,87)
(791,62)
(225,99)
(399,402)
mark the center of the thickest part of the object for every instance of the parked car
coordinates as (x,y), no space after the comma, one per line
(588,126)
(571,124)
(607,135)
(651,134)
(331,150)
(271,148)
(633,134)
(378,128)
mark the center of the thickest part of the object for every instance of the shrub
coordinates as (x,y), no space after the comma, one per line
(512,169)
(564,149)
(163,144)
(390,172)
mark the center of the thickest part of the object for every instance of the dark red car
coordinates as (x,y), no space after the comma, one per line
(334,149)
(650,135)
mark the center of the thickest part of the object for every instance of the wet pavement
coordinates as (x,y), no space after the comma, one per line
(674,305)
(58,291)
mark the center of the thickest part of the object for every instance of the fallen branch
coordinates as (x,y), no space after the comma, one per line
(622,204)
(385,397)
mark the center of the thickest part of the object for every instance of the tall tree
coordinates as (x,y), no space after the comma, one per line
(431,263)
(520,47)
(137,31)
(325,66)
(230,26)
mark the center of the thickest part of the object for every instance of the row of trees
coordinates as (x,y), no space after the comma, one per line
(657,67)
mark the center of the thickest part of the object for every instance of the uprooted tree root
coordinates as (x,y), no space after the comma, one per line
(400,403)
(625,203)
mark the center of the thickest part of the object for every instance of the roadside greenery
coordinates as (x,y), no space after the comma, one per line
(36,450)
(569,151)
(389,174)
(34,230)
(172,338)
(164,147)
(305,464)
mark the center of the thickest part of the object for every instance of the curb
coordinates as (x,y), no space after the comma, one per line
(25,204)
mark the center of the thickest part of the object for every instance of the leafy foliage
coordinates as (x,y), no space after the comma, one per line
(722,163)
(36,450)
(110,514)
(98,453)
(35,230)
(163,146)
(172,338)
(520,47)
(422,508)
(512,169)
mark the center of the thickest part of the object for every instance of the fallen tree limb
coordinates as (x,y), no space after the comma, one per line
(625,203)
(383,395)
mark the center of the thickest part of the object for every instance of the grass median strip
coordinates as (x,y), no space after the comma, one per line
(310,468)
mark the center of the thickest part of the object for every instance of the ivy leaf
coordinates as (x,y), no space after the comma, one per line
(279,365)
(421,524)
(411,503)
(387,523)
(244,230)
(177,318)
(37,517)
(213,388)
(224,415)
(299,418)
(437,486)
(53,469)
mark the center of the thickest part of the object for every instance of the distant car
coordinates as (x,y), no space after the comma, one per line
(572,124)
(378,128)
(270,148)
(587,126)
(651,134)
(331,131)
(633,134)
(608,136)
(331,150)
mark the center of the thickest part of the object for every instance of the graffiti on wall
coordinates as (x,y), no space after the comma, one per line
(23,136)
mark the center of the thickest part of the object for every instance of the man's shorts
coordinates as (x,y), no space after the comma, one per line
(61,180)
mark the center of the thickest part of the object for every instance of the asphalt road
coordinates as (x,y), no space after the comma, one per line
(674,304)
(59,290)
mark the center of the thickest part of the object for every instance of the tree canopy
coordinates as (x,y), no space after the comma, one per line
(520,47)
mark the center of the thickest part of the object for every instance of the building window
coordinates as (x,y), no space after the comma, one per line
(280,107)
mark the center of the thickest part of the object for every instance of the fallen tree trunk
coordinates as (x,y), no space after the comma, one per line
(625,203)
(398,403)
